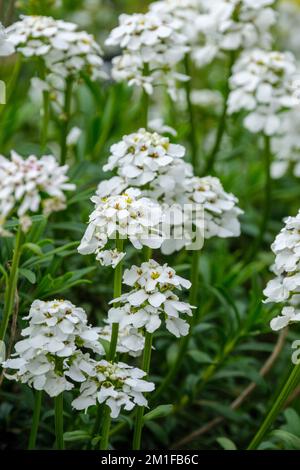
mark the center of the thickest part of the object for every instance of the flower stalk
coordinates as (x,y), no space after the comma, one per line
(185,340)
(222,122)
(59,421)
(35,419)
(46,109)
(268,187)
(106,423)
(9,299)
(66,120)
(192,114)
(277,406)
(140,412)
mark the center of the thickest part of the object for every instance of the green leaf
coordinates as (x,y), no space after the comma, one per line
(293,422)
(159,412)
(36,249)
(226,443)
(158,431)
(223,410)
(200,357)
(288,438)
(105,344)
(75,436)
(29,275)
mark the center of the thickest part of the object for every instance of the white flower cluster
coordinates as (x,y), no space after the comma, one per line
(285,288)
(65,52)
(286,145)
(155,165)
(6,48)
(206,211)
(117,385)
(130,340)
(152,298)
(125,216)
(141,156)
(220,208)
(262,85)
(52,357)
(152,46)
(27,184)
(244,24)
(57,331)
(214,27)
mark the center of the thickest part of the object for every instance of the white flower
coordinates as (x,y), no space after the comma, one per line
(130,341)
(214,27)
(117,385)
(50,351)
(127,216)
(152,46)
(6,47)
(155,165)
(207,99)
(27,184)
(26,223)
(288,315)
(220,208)
(73,136)
(110,257)
(157,125)
(39,373)
(151,298)
(285,287)
(141,156)
(244,24)
(286,145)
(262,85)
(65,51)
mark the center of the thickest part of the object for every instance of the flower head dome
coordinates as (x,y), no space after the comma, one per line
(285,287)
(65,52)
(152,46)
(52,347)
(31,185)
(6,47)
(125,216)
(141,156)
(286,145)
(117,385)
(262,85)
(152,298)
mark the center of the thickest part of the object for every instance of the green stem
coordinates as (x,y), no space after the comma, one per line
(9,299)
(106,122)
(117,293)
(137,436)
(268,188)
(222,122)
(192,115)
(45,122)
(104,442)
(59,421)
(145,102)
(106,423)
(175,368)
(46,108)
(35,419)
(66,120)
(277,406)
